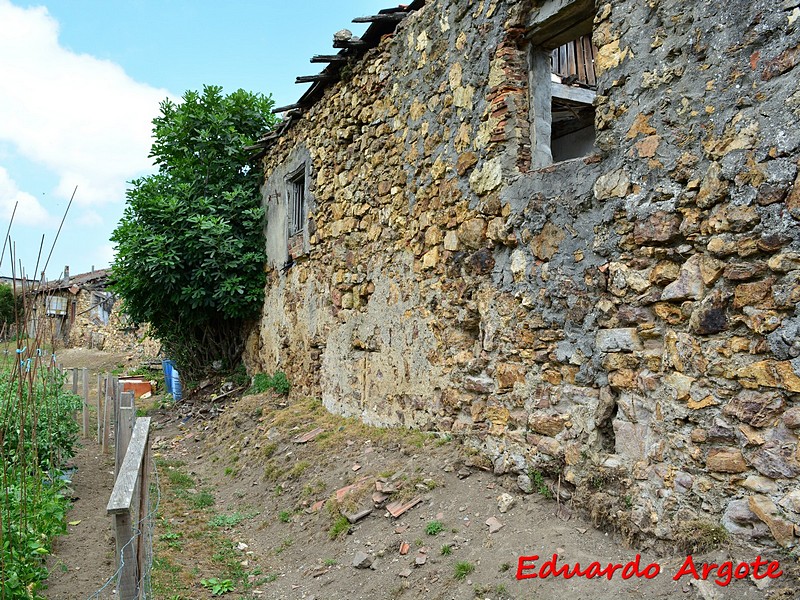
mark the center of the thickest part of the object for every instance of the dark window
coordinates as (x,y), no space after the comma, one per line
(296,193)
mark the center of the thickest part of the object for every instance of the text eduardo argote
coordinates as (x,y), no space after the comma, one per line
(529,567)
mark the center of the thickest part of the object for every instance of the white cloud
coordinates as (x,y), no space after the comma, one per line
(29,210)
(105,256)
(89,218)
(81,117)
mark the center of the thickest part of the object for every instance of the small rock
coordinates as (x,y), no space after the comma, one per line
(463,473)
(405,573)
(362,560)
(524,483)
(504,502)
(420,560)
(494,524)
(765,509)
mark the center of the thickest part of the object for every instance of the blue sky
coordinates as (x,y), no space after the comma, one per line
(80,81)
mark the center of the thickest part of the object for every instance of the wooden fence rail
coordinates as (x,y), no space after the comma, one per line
(128,506)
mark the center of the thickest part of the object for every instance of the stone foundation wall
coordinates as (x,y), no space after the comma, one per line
(625,323)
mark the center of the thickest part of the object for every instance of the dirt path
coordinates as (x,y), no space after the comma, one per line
(83,559)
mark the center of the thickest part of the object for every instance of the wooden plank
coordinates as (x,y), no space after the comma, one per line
(122,494)
(393,17)
(351,43)
(318,77)
(589,53)
(75,381)
(558,21)
(286,108)
(123,435)
(574,94)
(127,578)
(144,507)
(329,58)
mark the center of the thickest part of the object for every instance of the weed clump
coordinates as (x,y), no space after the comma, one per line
(698,536)
(463,569)
(277,382)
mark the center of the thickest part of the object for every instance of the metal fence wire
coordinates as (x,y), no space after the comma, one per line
(142,530)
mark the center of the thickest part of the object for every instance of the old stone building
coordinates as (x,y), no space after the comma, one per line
(77,311)
(590,274)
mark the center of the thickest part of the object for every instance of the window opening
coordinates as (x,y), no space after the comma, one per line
(563,81)
(573,85)
(296,191)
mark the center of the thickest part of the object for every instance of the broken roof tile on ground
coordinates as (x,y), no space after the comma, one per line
(308,436)
(399,507)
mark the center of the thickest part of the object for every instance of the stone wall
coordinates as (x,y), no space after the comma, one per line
(625,323)
(87,329)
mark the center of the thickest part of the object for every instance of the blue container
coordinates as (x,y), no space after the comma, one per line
(172,379)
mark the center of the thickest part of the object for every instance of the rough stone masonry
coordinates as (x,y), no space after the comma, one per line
(625,322)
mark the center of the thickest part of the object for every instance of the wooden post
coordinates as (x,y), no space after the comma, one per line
(124,429)
(132,477)
(75,388)
(85,373)
(144,506)
(99,405)
(106,415)
(126,557)
(115,397)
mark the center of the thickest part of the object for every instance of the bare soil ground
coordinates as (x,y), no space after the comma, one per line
(83,560)
(267,533)
(251,510)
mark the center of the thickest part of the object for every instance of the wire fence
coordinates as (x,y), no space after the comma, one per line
(142,530)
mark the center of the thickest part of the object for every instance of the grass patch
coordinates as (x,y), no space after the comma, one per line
(698,537)
(202,499)
(538,483)
(224,521)
(277,382)
(298,469)
(462,569)
(340,527)
(446,550)
(179,479)
(284,545)
(285,516)
(434,528)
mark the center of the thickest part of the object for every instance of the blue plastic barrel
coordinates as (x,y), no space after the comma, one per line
(172,379)
(168,366)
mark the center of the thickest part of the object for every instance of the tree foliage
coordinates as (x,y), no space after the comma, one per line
(190,247)
(9,307)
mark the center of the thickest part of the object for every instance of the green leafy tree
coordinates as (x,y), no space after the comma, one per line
(190,247)
(9,308)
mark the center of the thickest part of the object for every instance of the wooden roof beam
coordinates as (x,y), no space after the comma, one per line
(392,17)
(329,58)
(318,77)
(354,42)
